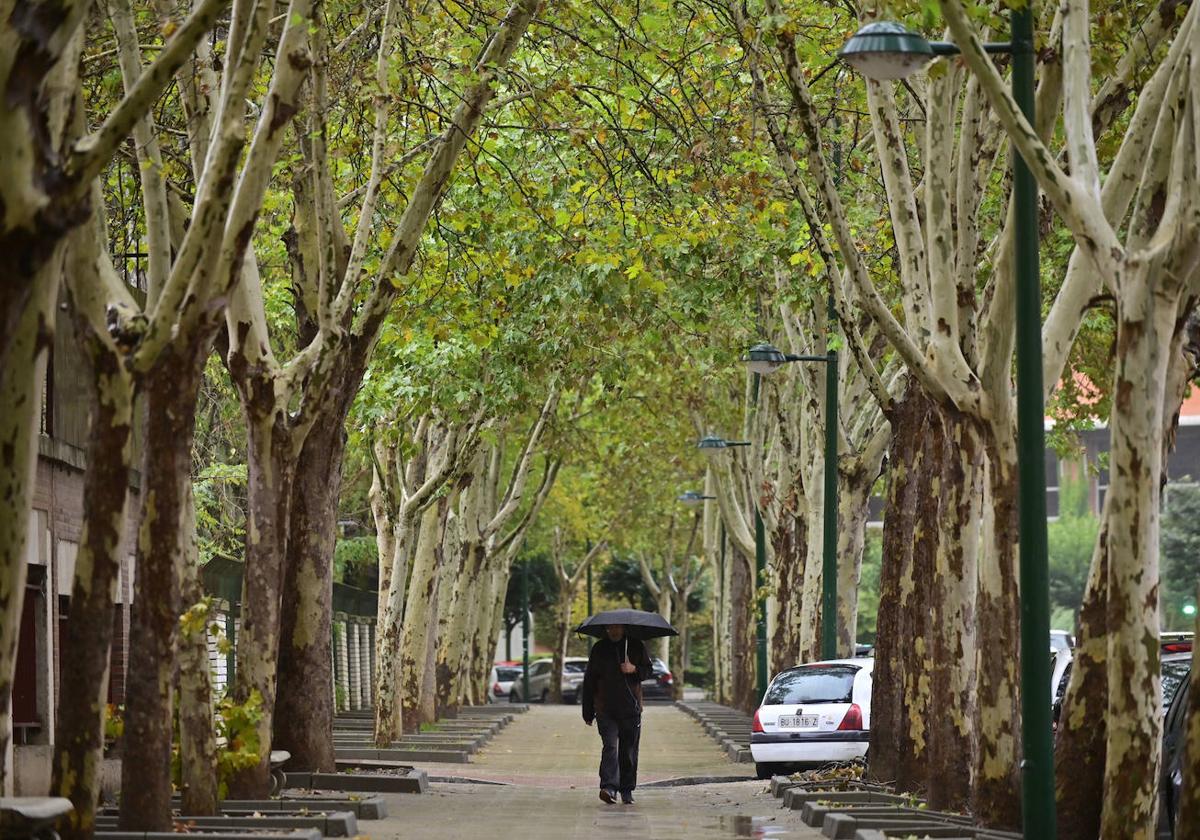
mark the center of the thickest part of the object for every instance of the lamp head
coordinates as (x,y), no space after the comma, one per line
(691,498)
(711,445)
(884,50)
(764,358)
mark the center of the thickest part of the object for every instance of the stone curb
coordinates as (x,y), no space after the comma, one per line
(333,824)
(416,781)
(299,834)
(685,781)
(369,808)
(728,727)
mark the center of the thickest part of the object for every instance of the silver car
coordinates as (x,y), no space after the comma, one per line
(572,677)
(539,683)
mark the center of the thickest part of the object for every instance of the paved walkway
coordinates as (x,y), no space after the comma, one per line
(543,770)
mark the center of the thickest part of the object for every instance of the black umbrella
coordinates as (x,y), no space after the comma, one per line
(639,624)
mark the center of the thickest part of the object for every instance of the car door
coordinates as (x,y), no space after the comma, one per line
(539,678)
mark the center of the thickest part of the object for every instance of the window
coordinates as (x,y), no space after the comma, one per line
(1174,672)
(508,674)
(813,684)
(574,667)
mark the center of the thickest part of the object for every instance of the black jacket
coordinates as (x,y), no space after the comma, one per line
(606,691)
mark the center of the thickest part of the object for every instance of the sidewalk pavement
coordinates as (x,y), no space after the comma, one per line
(544,765)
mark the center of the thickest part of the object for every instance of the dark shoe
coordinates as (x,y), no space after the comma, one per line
(609,796)
(627,797)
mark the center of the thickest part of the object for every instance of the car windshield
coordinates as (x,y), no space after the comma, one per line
(813,684)
(1173,675)
(507,674)
(574,667)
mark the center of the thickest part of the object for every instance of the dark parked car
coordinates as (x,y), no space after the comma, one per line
(1177,680)
(661,685)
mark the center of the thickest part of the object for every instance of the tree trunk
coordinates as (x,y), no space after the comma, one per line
(951,680)
(197,738)
(454,657)
(723,630)
(87,639)
(1145,328)
(422,598)
(678,661)
(304,707)
(903,644)
(1079,758)
(444,682)
(743,677)
(996,784)
(562,634)
(390,633)
(808,631)
(854,503)
(170,390)
(270,469)
(791,545)
(427,702)
(21,381)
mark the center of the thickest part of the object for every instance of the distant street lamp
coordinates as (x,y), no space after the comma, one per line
(693,499)
(712,446)
(887,50)
(766,359)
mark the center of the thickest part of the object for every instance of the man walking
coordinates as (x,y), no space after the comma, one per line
(612,696)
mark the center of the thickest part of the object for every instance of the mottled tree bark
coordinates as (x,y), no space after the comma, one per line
(170,389)
(1145,329)
(953,620)
(903,646)
(419,616)
(995,789)
(197,736)
(1082,726)
(21,382)
(304,706)
(87,640)
(744,682)
(856,479)
(791,549)
(270,470)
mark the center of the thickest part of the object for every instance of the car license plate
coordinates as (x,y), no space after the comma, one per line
(797,721)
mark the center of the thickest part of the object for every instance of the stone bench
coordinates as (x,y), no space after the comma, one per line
(32,816)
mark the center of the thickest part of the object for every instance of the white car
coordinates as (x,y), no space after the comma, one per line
(501,682)
(813,714)
(1060,661)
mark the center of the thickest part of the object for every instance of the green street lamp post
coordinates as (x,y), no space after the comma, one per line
(765,359)
(886,50)
(525,630)
(711,445)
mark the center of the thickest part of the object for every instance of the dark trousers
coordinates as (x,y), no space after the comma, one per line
(619,757)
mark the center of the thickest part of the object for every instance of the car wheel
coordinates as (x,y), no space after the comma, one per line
(764,771)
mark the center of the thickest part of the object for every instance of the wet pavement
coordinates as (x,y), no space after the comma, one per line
(544,785)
